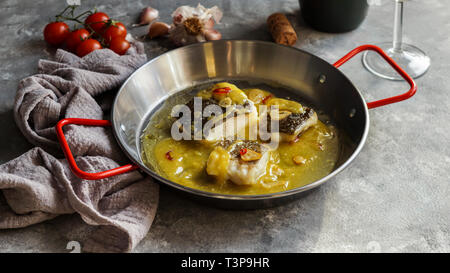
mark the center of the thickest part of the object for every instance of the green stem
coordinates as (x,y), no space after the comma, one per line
(68,7)
(84,13)
(70,19)
(65,17)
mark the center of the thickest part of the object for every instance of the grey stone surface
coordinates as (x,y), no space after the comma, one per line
(395,197)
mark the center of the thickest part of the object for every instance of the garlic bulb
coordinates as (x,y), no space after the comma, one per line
(191,25)
(180,36)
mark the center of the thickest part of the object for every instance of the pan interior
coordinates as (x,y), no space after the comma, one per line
(158,125)
(296,74)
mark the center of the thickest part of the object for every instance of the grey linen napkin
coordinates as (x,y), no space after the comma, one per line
(39,185)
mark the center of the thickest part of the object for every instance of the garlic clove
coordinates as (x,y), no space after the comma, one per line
(225,102)
(147,16)
(250,155)
(158,29)
(299,160)
(277,114)
(212,34)
(209,24)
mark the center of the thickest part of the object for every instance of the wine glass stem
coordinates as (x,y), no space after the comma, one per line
(398,26)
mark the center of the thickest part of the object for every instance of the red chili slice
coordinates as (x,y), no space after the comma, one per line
(295,140)
(266,98)
(169,156)
(243,151)
(224,90)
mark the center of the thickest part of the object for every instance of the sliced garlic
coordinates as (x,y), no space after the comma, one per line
(299,160)
(250,155)
(225,102)
(279,114)
(284,104)
(256,95)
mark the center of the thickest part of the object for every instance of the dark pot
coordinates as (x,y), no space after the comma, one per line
(334,15)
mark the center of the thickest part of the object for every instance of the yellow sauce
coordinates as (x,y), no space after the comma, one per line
(185,162)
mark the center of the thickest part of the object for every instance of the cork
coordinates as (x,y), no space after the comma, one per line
(281,29)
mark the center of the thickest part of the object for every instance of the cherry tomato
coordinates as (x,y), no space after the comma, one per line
(75,38)
(96,21)
(56,32)
(87,47)
(116,29)
(119,45)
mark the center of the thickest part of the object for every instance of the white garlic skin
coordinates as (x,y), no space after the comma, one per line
(148,15)
(212,35)
(209,24)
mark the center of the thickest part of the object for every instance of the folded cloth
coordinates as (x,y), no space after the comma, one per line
(39,185)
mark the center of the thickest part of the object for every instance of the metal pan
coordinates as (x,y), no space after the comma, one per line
(308,76)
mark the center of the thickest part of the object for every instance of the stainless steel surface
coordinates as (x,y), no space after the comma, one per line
(311,78)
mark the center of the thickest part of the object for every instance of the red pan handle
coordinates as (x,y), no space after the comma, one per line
(378,103)
(73,165)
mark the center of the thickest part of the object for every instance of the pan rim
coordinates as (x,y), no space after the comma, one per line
(220,196)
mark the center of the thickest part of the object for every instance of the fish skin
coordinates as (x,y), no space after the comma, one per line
(293,125)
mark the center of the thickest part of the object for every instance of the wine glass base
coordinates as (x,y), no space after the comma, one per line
(411,59)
